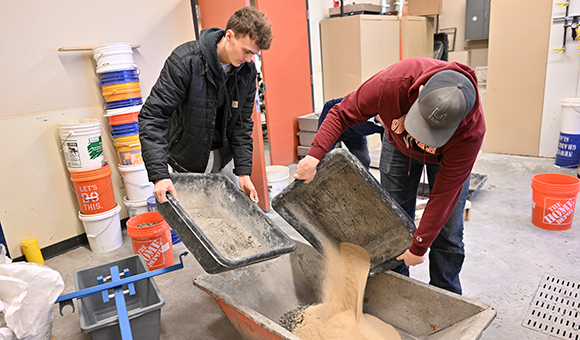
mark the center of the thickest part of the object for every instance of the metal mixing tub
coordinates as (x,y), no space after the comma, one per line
(255,297)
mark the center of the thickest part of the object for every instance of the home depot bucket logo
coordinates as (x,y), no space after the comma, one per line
(558,211)
(152,252)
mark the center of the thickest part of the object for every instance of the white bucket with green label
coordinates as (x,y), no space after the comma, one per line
(82,144)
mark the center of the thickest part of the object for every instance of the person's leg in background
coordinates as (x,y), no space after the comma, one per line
(327,106)
(447,252)
(214,163)
(400,177)
(358,146)
(355,139)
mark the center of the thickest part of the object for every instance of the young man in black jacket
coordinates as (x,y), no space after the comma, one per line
(198,116)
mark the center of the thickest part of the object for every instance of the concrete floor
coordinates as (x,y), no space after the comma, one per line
(506,258)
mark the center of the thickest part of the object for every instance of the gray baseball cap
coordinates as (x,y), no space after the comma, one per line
(443,103)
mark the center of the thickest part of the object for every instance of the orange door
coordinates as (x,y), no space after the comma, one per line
(286,70)
(215,13)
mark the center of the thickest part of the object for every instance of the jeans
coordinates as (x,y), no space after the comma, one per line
(447,252)
(355,138)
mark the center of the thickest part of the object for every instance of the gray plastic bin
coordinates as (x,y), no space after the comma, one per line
(345,203)
(100,319)
(214,216)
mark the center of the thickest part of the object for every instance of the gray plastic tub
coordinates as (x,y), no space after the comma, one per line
(345,203)
(220,225)
(100,319)
(255,297)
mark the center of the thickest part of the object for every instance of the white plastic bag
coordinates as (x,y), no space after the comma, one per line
(28,292)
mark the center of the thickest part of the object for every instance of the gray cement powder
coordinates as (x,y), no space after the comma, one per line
(231,240)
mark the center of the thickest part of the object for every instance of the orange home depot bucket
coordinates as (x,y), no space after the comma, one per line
(94,190)
(152,241)
(125,118)
(554,200)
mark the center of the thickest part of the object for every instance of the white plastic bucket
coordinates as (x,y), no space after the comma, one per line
(123,110)
(135,208)
(103,230)
(113,54)
(278,177)
(116,67)
(82,144)
(568,155)
(137,185)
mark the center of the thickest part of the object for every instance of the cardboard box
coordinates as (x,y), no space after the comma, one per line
(424,7)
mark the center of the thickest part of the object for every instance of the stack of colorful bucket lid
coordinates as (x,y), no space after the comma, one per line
(120,87)
(81,143)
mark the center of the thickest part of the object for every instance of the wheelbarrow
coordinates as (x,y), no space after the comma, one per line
(255,297)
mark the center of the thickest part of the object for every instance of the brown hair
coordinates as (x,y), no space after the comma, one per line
(250,21)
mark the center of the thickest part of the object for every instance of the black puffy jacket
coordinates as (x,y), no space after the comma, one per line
(177,122)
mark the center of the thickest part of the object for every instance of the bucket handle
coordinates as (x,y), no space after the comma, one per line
(128,109)
(110,180)
(104,107)
(135,67)
(100,55)
(64,141)
(136,184)
(127,145)
(112,94)
(102,231)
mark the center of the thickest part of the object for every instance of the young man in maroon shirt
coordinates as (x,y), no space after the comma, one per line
(433,117)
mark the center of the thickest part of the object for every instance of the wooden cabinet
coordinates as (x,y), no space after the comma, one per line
(416,37)
(354,48)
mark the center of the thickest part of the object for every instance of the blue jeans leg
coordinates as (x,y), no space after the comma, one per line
(400,176)
(359,148)
(447,251)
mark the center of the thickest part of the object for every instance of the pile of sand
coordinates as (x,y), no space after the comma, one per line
(340,315)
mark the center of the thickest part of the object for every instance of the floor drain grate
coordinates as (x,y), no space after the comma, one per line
(555,309)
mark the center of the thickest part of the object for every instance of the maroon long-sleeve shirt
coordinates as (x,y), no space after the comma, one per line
(391,93)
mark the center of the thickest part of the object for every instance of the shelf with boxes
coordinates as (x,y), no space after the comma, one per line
(307,125)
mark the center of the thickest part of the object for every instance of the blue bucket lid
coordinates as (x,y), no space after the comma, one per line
(122,127)
(124,133)
(121,73)
(174,238)
(124,103)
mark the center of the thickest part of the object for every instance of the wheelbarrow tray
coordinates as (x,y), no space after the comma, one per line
(345,203)
(254,298)
(220,225)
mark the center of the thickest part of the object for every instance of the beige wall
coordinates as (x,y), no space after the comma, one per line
(41,86)
(516,76)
